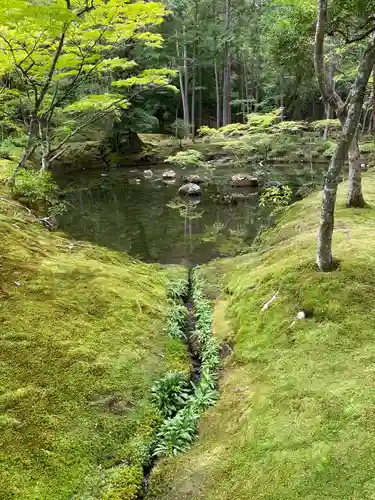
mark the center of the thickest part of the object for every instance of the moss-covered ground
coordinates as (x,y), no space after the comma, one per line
(296,417)
(81,343)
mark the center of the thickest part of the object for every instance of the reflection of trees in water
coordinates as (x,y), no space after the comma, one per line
(143,221)
(187,210)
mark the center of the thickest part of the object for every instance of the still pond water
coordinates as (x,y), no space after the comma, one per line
(122,210)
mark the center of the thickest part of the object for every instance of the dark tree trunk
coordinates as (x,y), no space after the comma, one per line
(355,195)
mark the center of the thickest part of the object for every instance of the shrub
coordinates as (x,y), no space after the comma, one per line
(170,393)
(320,125)
(276,196)
(257,122)
(233,129)
(183,158)
(6,151)
(209,133)
(176,322)
(38,190)
(177,288)
(177,433)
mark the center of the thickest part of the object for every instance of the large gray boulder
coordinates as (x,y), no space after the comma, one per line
(190,189)
(244,180)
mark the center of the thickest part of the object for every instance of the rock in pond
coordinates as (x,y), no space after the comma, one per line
(147,174)
(190,189)
(273,184)
(169,174)
(193,178)
(244,180)
(135,181)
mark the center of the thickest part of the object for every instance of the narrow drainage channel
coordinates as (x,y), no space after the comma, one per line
(195,349)
(190,333)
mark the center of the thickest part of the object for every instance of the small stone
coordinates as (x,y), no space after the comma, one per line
(301,315)
(273,184)
(194,178)
(190,189)
(147,174)
(169,174)
(18,283)
(135,181)
(244,180)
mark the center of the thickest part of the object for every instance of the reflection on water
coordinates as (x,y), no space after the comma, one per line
(150,221)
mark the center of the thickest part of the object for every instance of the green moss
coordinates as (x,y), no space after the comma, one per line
(126,483)
(81,344)
(295,417)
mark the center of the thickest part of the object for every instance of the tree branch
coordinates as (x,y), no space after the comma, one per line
(329,95)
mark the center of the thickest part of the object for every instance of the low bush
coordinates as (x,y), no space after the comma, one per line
(38,191)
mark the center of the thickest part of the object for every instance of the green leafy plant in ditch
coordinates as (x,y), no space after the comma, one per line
(176,322)
(177,434)
(171,392)
(178,431)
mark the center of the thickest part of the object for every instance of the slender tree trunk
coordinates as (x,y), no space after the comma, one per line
(200,98)
(193,101)
(373,94)
(355,195)
(328,106)
(183,87)
(370,124)
(365,118)
(45,146)
(226,67)
(326,128)
(186,88)
(324,257)
(246,89)
(27,152)
(217,88)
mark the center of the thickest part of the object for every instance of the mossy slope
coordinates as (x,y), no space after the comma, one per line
(81,343)
(296,414)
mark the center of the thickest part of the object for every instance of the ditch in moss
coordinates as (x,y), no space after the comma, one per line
(182,400)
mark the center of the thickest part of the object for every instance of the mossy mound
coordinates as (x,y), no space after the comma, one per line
(81,343)
(296,415)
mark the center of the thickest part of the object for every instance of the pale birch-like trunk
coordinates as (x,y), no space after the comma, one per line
(186,87)
(183,85)
(324,258)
